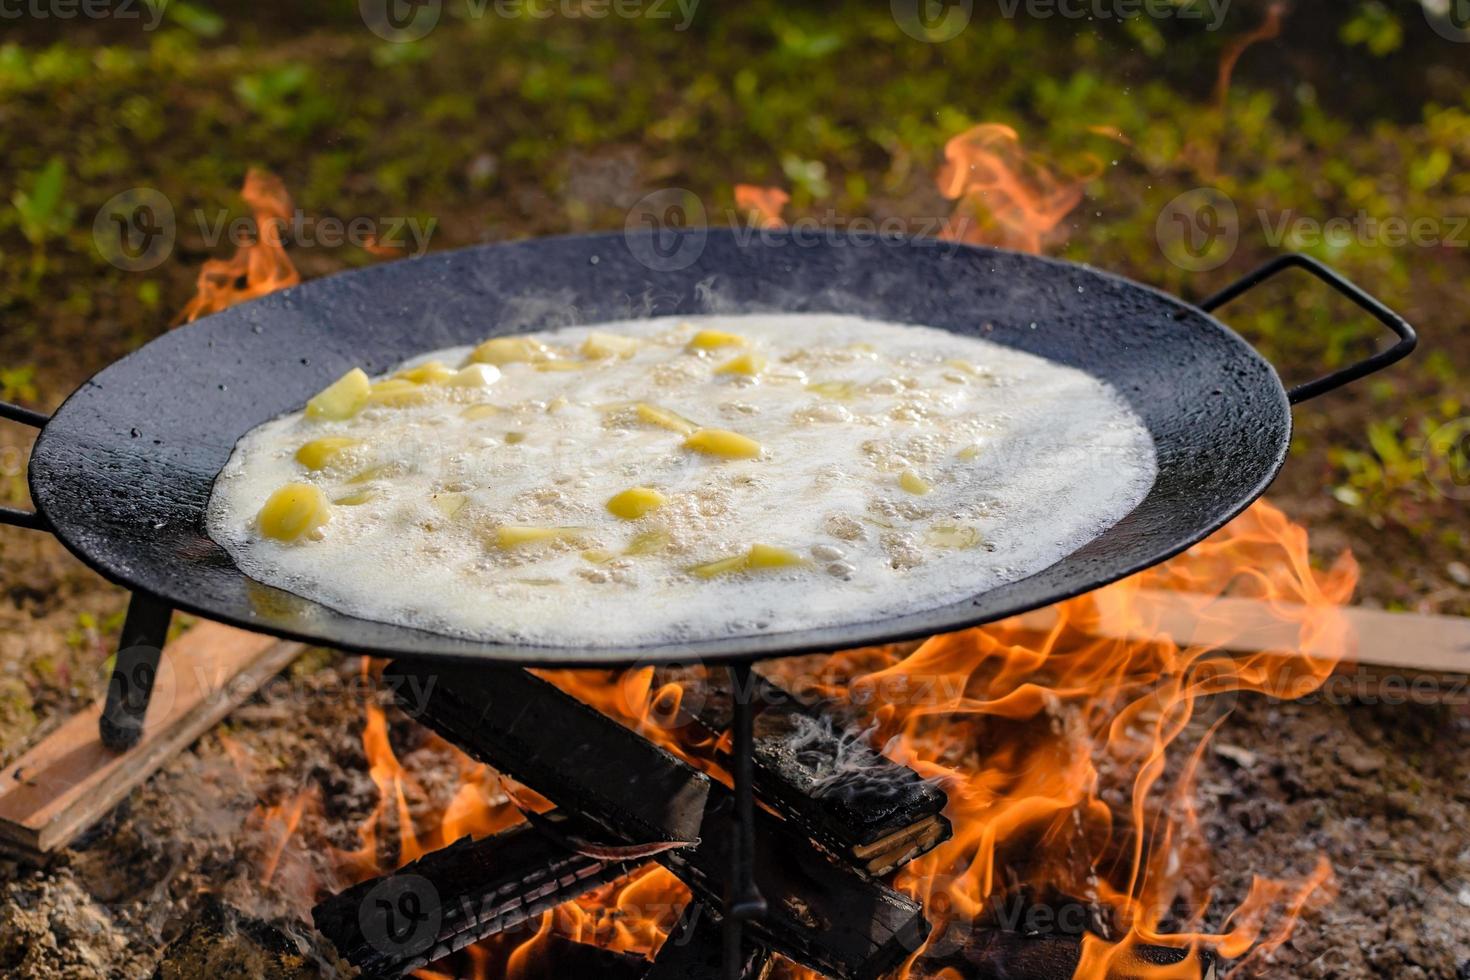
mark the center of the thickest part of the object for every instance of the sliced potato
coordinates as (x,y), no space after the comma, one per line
(722,442)
(342,398)
(635,502)
(293,512)
(320,453)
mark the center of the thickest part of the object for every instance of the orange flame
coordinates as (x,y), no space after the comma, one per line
(1005,198)
(1070,723)
(762,205)
(256,268)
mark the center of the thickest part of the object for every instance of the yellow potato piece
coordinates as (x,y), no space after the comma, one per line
(634,502)
(319,453)
(293,512)
(833,389)
(342,398)
(431,373)
(663,418)
(515,535)
(710,339)
(952,536)
(448,504)
(511,350)
(371,473)
(475,376)
(914,483)
(758,558)
(598,556)
(969,452)
(561,365)
(722,442)
(767,556)
(477,412)
(357,498)
(397,393)
(648,543)
(600,344)
(751,364)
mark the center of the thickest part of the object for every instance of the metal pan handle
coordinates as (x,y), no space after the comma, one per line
(1408,339)
(12,515)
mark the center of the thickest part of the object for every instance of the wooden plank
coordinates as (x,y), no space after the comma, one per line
(1405,641)
(70,779)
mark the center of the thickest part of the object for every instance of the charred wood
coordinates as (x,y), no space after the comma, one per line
(458,895)
(997,955)
(823,913)
(815,768)
(694,951)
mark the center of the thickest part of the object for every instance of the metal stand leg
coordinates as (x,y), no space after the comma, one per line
(138,652)
(743,901)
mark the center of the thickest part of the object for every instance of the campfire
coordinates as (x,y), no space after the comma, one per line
(1014,800)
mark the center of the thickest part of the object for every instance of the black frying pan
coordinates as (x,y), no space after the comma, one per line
(122,472)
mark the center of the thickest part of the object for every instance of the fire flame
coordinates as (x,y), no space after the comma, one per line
(762,205)
(1004,197)
(256,268)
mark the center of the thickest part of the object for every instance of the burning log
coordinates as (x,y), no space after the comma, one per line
(694,951)
(822,914)
(446,900)
(818,772)
(997,955)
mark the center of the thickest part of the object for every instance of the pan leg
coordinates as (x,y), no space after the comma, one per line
(138,654)
(743,901)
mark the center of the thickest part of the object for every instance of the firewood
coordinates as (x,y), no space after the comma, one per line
(823,914)
(999,955)
(816,770)
(695,951)
(458,895)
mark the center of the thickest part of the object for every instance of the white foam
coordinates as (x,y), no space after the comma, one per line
(1061,458)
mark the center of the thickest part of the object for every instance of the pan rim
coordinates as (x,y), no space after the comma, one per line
(731,650)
